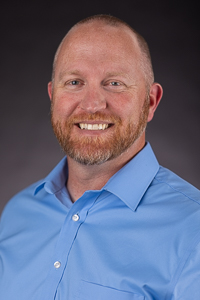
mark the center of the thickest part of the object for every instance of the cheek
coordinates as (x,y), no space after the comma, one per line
(127,107)
(64,105)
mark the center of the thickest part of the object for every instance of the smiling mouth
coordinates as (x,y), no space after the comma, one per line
(93,126)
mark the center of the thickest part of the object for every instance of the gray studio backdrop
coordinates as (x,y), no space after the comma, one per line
(31,32)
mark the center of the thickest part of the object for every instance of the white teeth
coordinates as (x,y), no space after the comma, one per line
(93,126)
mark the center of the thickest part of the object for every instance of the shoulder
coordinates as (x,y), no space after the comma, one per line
(172,184)
(21,199)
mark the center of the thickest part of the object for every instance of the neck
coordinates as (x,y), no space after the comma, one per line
(82,178)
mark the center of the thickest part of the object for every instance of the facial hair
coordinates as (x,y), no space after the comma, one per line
(95,150)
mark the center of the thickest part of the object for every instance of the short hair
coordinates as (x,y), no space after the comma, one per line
(146,64)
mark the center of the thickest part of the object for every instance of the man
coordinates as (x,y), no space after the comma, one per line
(108,222)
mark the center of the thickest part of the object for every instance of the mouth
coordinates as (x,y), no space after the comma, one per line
(87,126)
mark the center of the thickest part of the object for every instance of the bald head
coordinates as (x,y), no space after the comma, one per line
(115,23)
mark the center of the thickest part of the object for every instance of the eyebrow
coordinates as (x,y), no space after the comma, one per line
(113,74)
(110,74)
(77,72)
(73,72)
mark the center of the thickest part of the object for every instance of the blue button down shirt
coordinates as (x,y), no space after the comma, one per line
(136,238)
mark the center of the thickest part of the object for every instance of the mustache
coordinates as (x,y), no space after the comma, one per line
(98,116)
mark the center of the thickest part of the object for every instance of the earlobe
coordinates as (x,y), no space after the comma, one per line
(49,88)
(155,96)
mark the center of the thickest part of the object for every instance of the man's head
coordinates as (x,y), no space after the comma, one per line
(146,64)
(102,90)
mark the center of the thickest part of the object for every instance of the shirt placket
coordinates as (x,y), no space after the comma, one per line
(74,219)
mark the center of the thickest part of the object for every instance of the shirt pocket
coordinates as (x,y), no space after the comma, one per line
(92,291)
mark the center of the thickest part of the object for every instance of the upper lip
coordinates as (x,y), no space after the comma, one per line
(93,122)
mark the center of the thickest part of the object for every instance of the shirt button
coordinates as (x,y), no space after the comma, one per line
(57,264)
(75,218)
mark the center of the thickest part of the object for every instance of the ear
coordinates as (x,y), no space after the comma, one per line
(49,88)
(155,96)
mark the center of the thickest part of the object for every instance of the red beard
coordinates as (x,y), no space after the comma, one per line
(90,150)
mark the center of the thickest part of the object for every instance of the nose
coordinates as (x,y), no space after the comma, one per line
(93,101)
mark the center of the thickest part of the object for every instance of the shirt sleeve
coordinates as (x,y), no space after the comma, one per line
(188,284)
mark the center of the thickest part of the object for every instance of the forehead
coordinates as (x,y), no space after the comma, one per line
(98,39)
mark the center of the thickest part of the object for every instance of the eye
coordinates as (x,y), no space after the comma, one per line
(74,82)
(114,83)
(114,86)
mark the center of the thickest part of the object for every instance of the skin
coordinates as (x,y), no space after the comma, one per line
(98,72)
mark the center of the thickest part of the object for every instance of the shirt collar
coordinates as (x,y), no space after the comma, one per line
(129,183)
(56,179)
